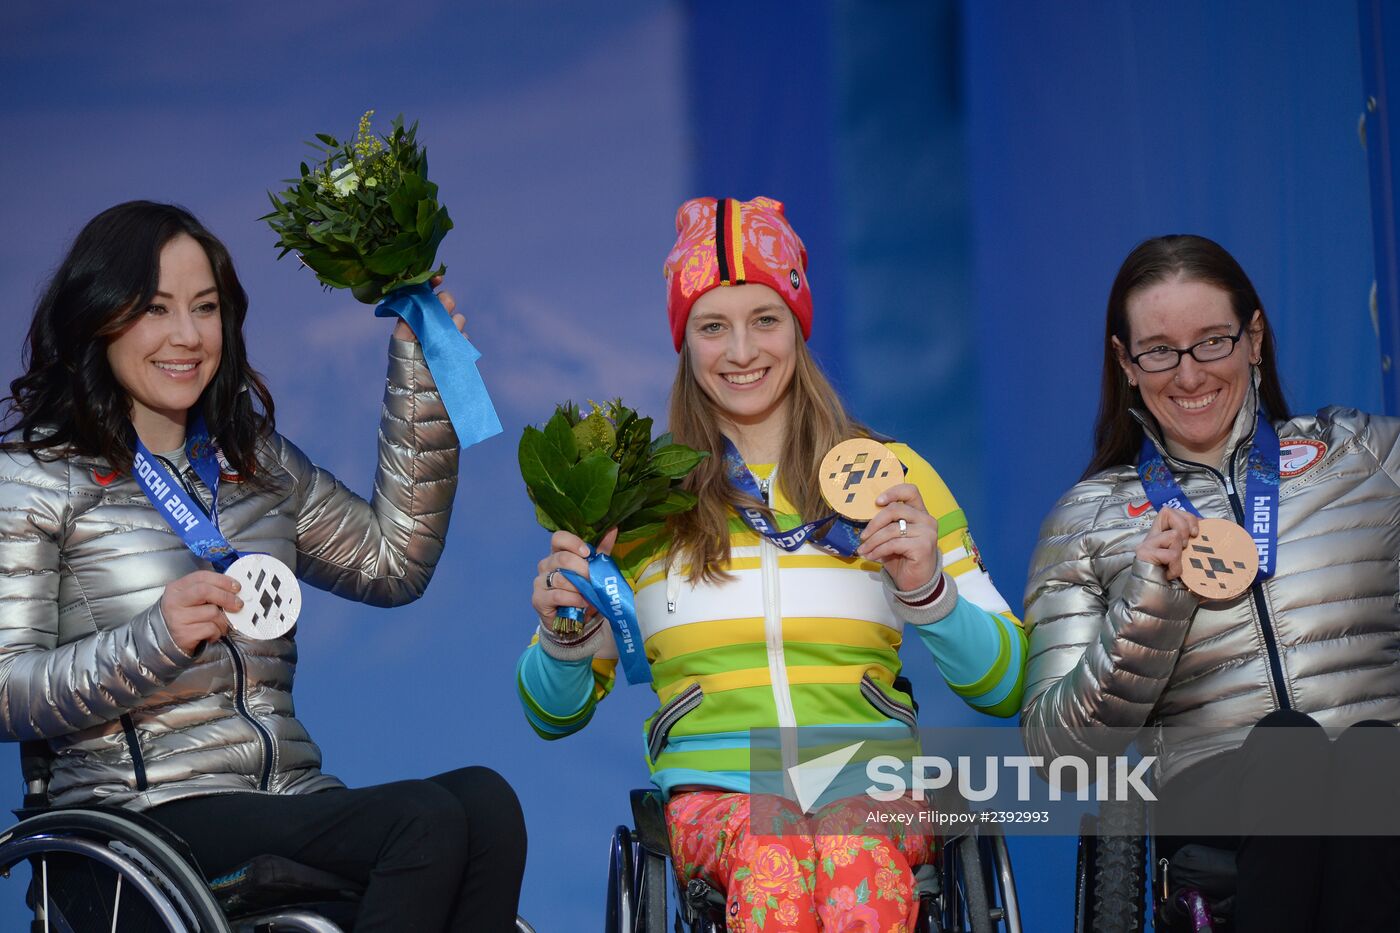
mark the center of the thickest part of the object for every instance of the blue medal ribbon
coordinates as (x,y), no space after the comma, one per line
(840,539)
(1261,489)
(607,591)
(184,513)
(450,357)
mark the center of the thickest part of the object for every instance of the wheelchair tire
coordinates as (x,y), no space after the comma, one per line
(91,847)
(1119,882)
(1084,872)
(972,885)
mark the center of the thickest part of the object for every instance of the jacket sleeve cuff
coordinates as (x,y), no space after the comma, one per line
(924,605)
(585,645)
(1148,590)
(156,646)
(407,350)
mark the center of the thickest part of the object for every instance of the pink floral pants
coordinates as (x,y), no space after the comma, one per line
(836,873)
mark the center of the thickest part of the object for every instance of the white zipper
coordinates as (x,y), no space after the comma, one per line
(673,583)
(773,626)
(773,633)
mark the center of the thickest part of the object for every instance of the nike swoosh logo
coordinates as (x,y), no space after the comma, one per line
(1135,510)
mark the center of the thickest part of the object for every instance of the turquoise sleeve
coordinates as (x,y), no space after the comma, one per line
(558,696)
(982,656)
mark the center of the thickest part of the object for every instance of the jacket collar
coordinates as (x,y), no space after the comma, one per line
(1242,433)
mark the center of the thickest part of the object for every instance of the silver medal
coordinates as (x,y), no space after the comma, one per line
(271,597)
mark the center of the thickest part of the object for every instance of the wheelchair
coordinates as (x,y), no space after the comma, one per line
(955,894)
(1117,867)
(118,871)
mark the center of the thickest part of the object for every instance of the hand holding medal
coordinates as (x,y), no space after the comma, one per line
(1214,558)
(863,481)
(1220,561)
(269,597)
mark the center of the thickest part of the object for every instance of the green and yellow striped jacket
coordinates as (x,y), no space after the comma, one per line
(792,639)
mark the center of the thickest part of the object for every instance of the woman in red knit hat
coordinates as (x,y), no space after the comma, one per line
(758,611)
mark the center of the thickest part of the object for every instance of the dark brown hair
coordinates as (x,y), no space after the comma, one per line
(1117,434)
(69,402)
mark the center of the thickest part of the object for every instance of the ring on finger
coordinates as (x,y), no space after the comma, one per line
(903,528)
(549,579)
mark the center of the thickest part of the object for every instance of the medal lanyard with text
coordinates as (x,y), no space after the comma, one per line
(198,529)
(1261,489)
(841,539)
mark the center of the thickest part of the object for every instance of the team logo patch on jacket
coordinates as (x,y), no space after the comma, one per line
(1297,457)
(972,551)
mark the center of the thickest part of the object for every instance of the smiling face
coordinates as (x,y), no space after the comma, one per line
(742,341)
(1195,404)
(170,352)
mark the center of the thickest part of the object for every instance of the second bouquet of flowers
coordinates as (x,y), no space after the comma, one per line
(588,473)
(366,218)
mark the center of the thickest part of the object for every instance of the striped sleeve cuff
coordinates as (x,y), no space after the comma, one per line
(982,656)
(926,605)
(558,696)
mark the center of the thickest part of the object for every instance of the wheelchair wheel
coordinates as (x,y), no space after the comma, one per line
(621,915)
(95,871)
(1111,890)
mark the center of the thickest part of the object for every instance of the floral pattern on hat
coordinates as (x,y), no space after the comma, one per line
(772,255)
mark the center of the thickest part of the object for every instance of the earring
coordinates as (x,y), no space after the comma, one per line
(1132,384)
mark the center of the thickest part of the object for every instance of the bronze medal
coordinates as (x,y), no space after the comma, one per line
(854,473)
(1221,562)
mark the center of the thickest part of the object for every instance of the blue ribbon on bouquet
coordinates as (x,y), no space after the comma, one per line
(607,591)
(451,359)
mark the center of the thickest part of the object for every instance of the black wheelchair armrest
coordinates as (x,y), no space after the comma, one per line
(272,881)
(649,818)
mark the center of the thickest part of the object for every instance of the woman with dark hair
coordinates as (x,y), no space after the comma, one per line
(1193,425)
(748,627)
(115,641)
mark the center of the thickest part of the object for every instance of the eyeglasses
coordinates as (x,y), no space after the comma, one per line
(1161,359)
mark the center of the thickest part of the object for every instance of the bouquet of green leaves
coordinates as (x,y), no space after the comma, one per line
(589,473)
(364,217)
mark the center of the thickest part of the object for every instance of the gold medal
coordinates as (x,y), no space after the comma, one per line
(1221,562)
(854,473)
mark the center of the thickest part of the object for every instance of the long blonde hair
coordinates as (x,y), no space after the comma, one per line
(816,422)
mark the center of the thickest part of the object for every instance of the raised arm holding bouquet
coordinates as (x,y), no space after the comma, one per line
(140,458)
(366,217)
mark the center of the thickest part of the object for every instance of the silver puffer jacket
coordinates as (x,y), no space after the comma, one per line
(86,660)
(1112,643)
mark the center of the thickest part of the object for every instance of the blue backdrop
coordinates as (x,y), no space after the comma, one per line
(967,177)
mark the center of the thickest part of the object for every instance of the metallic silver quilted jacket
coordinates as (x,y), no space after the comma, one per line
(1112,643)
(86,660)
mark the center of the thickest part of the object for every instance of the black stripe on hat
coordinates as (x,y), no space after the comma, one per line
(722,209)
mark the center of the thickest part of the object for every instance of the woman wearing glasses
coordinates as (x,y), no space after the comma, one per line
(1192,425)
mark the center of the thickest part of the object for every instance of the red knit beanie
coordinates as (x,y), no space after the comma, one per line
(731,242)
